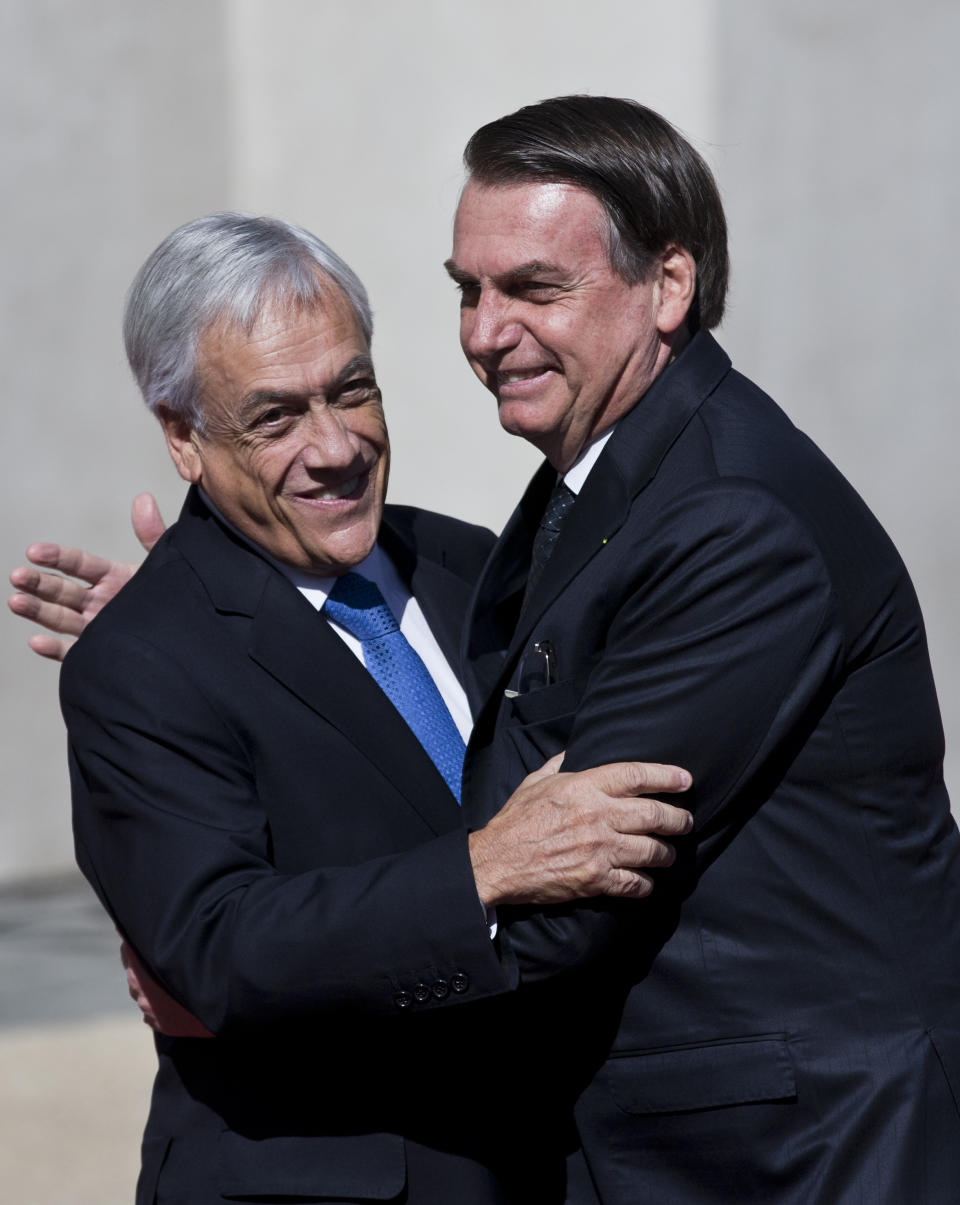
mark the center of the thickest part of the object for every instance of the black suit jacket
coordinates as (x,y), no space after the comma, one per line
(287,861)
(780,1022)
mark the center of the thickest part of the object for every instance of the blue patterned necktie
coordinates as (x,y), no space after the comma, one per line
(357,605)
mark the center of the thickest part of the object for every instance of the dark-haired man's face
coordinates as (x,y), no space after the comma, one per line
(564,344)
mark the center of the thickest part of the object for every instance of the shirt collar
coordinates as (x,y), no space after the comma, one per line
(575,477)
(377,567)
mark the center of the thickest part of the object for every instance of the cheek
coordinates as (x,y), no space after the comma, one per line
(264,469)
(558,333)
(371,429)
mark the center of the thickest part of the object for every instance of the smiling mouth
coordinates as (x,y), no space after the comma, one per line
(516,376)
(351,487)
(516,383)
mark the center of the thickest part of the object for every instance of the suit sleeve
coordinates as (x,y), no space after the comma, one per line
(171,833)
(721,656)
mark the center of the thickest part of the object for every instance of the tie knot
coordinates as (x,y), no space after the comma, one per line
(558,504)
(355,603)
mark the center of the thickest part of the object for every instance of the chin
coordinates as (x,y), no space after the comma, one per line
(534,433)
(346,556)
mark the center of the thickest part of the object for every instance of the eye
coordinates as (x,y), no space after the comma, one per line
(273,415)
(357,391)
(536,290)
(274,420)
(469,293)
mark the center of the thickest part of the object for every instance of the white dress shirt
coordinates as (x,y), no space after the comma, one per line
(579,471)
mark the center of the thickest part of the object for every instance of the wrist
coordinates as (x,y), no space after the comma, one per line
(487,873)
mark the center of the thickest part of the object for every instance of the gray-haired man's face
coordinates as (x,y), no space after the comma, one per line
(296,454)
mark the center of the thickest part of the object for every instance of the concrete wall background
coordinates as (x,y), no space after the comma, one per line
(831,130)
(838,160)
(112,120)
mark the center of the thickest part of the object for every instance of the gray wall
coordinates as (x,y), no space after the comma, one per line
(112,130)
(831,133)
(838,159)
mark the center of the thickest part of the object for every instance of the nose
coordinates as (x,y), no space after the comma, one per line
(328,441)
(488,327)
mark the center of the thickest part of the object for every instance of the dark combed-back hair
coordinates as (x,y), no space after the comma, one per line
(656,190)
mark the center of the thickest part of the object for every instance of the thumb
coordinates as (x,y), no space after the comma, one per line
(148,525)
(549,767)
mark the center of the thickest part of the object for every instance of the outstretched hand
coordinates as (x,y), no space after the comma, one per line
(65,606)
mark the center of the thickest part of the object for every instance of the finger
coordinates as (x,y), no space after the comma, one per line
(50,587)
(547,769)
(74,561)
(639,778)
(644,853)
(48,615)
(652,816)
(148,524)
(50,647)
(629,885)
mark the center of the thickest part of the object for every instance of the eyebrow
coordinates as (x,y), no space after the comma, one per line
(532,267)
(360,363)
(267,397)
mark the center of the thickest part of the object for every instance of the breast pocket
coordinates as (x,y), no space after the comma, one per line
(540,721)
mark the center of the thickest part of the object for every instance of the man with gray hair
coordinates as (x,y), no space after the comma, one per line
(267,735)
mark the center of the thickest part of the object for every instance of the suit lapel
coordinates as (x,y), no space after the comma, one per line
(295,645)
(495,606)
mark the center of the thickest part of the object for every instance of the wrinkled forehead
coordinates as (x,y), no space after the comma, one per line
(290,347)
(500,226)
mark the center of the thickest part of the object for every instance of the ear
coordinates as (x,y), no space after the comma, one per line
(678,282)
(182,444)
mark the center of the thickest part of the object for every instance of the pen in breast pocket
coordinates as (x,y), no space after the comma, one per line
(538,668)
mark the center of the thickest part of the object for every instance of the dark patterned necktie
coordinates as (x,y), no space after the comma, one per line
(558,507)
(357,605)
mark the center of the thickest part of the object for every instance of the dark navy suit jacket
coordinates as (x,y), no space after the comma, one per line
(287,861)
(780,1022)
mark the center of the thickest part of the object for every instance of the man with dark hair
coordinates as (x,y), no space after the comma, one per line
(688,577)
(714,593)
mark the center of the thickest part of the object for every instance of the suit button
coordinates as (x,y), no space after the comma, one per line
(403,999)
(440,989)
(460,982)
(421,993)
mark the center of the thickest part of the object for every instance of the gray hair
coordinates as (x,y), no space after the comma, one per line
(225,267)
